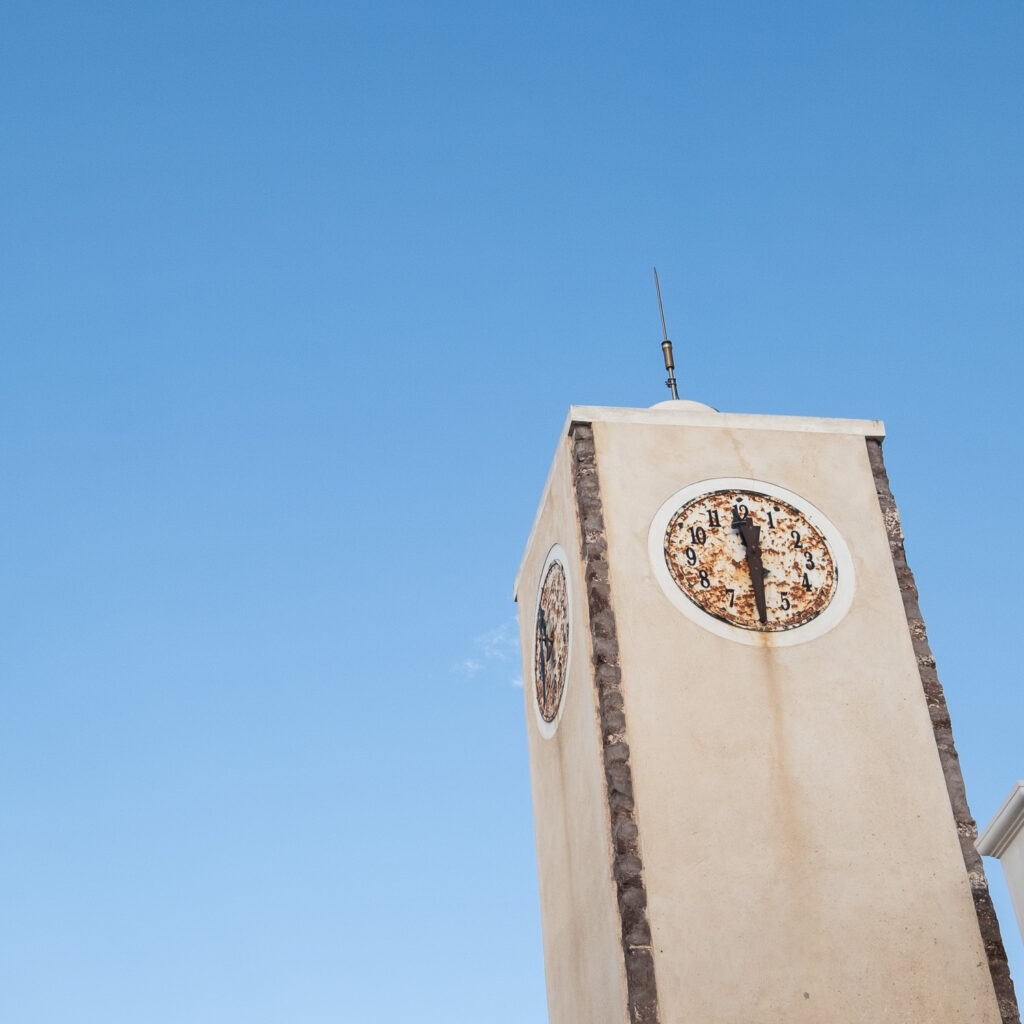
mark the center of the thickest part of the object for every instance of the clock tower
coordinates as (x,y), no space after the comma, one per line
(747,802)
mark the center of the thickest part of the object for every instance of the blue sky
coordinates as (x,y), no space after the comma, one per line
(294,299)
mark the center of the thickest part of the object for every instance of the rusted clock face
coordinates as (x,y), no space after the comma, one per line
(751,559)
(551,640)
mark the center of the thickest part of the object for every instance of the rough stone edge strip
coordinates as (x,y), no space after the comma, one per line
(627,865)
(966,828)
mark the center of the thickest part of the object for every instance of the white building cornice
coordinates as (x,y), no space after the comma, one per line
(1004,827)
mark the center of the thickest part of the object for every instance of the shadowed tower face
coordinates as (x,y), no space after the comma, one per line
(747,803)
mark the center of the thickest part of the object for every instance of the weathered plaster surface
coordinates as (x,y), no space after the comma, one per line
(583,961)
(967,830)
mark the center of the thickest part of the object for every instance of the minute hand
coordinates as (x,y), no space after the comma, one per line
(751,535)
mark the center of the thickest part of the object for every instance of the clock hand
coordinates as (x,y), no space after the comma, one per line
(546,643)
(751,535)
(547,635)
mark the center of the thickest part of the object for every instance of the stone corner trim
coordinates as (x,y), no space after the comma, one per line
(641,990)
(966,828)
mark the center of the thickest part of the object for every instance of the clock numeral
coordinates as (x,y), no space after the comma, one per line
(713,517)
(697,534)
(704,581)
(785,602)
(807,583)
(732,596)
(809,559)
(795,534)
(740,512)
(771,522)
(691,556)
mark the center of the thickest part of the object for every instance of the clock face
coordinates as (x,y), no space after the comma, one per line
(551,640)
(751,558)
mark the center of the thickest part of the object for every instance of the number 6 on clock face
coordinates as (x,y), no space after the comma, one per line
(751,561)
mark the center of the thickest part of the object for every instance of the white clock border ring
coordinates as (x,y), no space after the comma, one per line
(818,626)
(555,554)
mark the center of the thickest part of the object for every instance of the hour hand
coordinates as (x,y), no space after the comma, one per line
(547,636)
(546,643)
(751,535)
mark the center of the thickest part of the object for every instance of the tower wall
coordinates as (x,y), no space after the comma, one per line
(739,831)
(583,961)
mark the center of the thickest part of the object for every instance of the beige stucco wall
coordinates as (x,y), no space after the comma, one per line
(800,855)
(582,948)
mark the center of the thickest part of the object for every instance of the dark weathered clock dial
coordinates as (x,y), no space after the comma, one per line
(551,641)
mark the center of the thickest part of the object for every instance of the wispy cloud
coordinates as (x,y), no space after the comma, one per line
(499,643)
(497,646)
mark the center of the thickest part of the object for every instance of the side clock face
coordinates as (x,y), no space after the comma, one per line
(752,559)
(551,640)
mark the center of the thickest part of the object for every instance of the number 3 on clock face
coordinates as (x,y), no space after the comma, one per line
(751,561)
